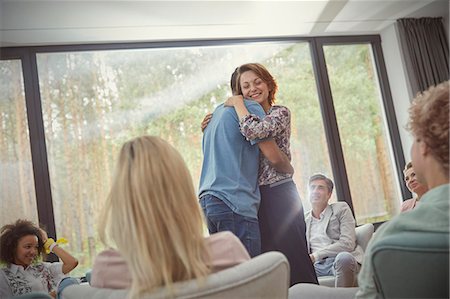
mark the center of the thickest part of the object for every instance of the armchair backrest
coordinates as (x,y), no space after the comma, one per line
(34,295)
(412,265)
(265,276)
(364,234)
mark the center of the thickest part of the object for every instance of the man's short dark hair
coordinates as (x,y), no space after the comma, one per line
(233,82)
(319,176)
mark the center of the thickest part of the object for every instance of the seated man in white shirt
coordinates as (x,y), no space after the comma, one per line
(330,233)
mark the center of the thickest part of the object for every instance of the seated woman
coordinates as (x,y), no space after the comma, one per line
(154,219)
(21,245)
(413,185)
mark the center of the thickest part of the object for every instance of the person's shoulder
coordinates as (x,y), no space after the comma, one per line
(250,104)
(280,111)
(340,207)
(108,256)
(408,204)
(223,241)
(219,107)
(340,204)
(254,108)
(281,108)
(226,250)
(220,237)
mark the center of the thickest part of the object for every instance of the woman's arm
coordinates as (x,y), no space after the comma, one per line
(253,127)
(69,262)
(276,157)
(238,103)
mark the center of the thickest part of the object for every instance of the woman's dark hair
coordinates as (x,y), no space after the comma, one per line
(10,235)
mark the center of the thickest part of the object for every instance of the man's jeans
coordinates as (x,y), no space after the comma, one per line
(220,218)
(344,266)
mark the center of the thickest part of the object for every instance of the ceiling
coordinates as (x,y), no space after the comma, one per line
(37,22)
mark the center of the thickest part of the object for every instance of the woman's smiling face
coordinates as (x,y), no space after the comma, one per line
(253,87)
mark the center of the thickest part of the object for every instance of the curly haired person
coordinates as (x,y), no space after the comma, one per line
(21,245)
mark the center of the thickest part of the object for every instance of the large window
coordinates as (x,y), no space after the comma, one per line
(86,101)
(92,102)
(18,199)
(363,131)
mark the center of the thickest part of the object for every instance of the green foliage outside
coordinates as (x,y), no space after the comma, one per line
(94,101)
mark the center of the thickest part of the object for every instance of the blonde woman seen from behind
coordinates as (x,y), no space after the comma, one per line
(153,217)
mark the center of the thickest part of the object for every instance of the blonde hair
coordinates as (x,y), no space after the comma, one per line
(429,120)
(153,216)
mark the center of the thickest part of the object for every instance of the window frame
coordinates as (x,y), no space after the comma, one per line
(28,57)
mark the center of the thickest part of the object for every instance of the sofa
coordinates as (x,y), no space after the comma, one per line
(265,276)
(363,235)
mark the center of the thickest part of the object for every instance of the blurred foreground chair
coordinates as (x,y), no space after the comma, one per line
(405,265)
(363,235)
(34,295)
(412,265)
(265,276)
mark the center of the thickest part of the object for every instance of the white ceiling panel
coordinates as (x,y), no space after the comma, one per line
(37,22)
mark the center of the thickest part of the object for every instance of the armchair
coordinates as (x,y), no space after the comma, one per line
(412,265)
(265,276)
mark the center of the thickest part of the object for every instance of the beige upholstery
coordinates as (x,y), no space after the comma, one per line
(313,291)
(265,276)
(363,235)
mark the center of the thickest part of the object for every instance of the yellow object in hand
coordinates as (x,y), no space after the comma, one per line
(48,244)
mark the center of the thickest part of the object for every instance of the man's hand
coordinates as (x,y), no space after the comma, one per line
(206,121)
(313,259)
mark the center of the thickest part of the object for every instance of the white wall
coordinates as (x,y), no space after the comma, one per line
(398,81)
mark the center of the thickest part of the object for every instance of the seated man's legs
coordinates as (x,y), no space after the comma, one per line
(345,268)
(324,267)
(220,218)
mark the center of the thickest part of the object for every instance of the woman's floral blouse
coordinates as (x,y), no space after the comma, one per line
(276,125)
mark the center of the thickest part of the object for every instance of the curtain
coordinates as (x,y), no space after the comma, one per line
(425,49)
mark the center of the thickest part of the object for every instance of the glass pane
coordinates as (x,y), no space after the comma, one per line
(17,193)
(297,91)
(94,101)
(363,132)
